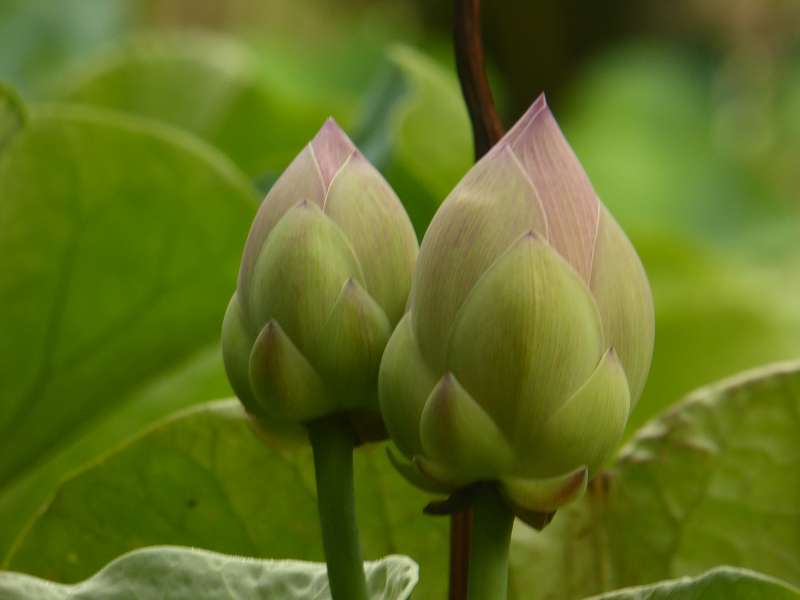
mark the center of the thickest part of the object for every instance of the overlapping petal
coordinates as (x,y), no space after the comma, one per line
(620,286)
(325,274)
(532,310)
(306,179)
(485,214)
(405,382)
(372,218)
(526,338)
(299,273)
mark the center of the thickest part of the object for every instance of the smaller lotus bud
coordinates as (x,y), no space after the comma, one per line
(325,276)
(529,334)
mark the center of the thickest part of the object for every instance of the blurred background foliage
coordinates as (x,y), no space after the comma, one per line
(685,114)
(687,118)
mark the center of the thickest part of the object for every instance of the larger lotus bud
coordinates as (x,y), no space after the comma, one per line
(530,329)
(325,276)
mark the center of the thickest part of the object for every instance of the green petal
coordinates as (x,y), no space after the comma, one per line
(623,296)
(414,476)
(236,346)
(545,495)
(439,475)
(285,385)
(404,383)
(299,274)
(350,347)
(366,209)
(527,337)
(492,207)
(588,427)
(300,182)
(458,434)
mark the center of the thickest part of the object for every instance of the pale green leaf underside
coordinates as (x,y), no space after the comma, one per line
(204,479)
(715,481)
(722,583)
(191,574)
(119,245)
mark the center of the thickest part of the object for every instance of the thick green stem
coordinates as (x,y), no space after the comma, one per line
(333,443)
(491,538)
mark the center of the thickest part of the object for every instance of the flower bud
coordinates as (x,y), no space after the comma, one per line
(530,329)
(325,276)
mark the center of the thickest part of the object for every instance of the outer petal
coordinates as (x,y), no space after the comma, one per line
(414,476)
(458,434)
(545,495)
(286,387)
(588,427)
(299,273)
(350,347)
(306,179)
(491,208)
(368,211)
(569,201)
(236,346)
(526,338)
(301,181)
(404,384)
(331,149)
(623,296)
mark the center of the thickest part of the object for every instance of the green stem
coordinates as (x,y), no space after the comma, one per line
(333,443)
(491,538)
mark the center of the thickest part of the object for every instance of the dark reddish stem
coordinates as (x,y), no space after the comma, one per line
(486,131)
(486,126)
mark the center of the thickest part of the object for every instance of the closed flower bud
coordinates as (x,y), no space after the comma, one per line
(325,277)
(530,329)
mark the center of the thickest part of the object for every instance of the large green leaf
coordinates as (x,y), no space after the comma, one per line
(716,481)
(204,479)
(414,126)
(191,574)
(210,86)
(722,583)
(701,297)
(119,244)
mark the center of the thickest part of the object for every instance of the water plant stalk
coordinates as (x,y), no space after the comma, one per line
(332,443)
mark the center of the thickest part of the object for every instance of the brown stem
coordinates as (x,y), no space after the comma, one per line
(486,126)
(460,533)
(486,131)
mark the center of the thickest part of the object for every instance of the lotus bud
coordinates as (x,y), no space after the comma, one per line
(529,333)
(325,277)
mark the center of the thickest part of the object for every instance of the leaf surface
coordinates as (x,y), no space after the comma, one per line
(722,583)
(192,574)
(119,246)
(204,479)
(715,481)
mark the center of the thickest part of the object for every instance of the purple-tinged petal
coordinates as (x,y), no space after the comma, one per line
(331,148)
(300,182)
(622,293)
(306,179)
(569,201)
(370,214)
(489,210)
(521,126)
